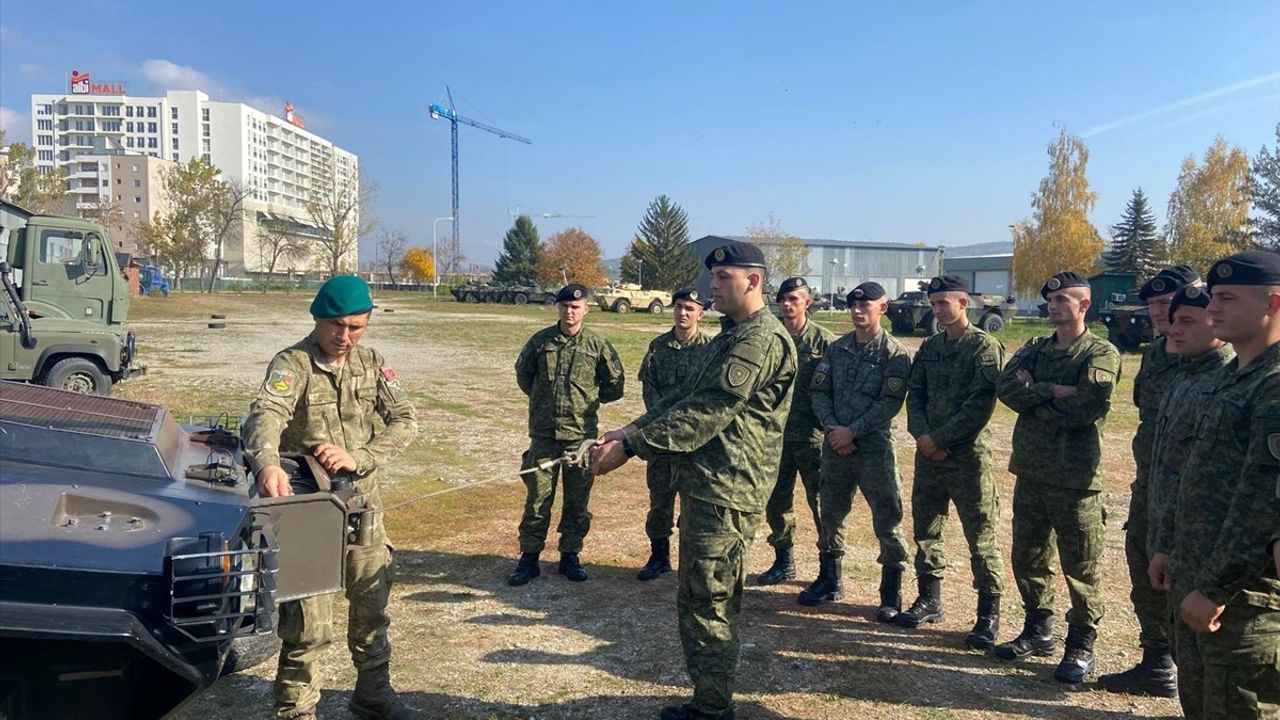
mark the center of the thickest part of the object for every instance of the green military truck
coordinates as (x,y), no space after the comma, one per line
(911,311)
(64,304)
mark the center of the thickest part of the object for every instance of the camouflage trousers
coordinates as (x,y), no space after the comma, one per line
(803,457)
(1050,520)
(965,479)
(306,626)
(575,519)
(714,541)
(659,475)
(872,469)
(1150,605)
(1233,672)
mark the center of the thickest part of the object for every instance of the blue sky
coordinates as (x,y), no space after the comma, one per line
(853,121)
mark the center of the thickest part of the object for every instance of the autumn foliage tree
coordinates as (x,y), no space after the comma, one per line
(1208,215)
(571,255)
(1059,236)
(785,254)
(418,264)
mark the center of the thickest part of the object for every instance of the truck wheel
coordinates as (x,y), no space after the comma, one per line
(992,323)
(470,297)
(622,306)
(250,651)
(79,375)
(655,307)
(900,328)
(932,323)
(521,299)
(549,299)
(1123,341)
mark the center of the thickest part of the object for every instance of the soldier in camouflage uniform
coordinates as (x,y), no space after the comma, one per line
(325,396)
(951,395)
(724,433)
(672,357)
(802,449)
(1161,369)
(1212,547)
(856,391)
(1061,387)
(567,371)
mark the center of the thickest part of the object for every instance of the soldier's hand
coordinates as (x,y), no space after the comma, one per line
(1201,613)
(612,436)
(334,459)
(841,440)
(1061,391)
(1159,574)
(607,457)
(273,481)
(927,446)
(939,455)
(1024,376)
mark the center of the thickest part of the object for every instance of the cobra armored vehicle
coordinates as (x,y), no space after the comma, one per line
(134,554)
(623,297)
(911,311)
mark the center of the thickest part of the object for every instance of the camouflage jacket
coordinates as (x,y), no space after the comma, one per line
(1175,429)
(567,379)
(861,386)
(1058,441)
(1227,512)
(668,363)
(952,389)
(725,427)
(305,401)
(1160,371)
(811,343)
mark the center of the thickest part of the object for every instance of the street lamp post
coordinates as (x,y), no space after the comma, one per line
(834,263)
(435,266)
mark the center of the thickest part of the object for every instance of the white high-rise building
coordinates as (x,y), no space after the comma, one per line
(284,165)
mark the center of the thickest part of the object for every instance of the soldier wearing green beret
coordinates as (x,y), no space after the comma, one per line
(326,396)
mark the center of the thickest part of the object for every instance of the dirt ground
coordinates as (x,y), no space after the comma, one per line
(469,646)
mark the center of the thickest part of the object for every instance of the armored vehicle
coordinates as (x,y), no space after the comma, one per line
(1128,325)
(911,310)
(509,294)
(133,554)
(623,297)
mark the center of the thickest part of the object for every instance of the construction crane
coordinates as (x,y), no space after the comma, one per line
(438,111)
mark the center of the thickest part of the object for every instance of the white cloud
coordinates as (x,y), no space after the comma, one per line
(1180,104)
(165,75)
(16,125)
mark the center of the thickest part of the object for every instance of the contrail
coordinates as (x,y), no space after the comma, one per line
(1185,102)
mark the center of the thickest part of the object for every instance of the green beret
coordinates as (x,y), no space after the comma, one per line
(340,296)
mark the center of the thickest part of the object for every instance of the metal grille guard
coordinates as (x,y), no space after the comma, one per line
(216,594)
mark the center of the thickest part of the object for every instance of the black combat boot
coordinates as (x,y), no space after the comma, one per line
(890,594)
(987,626)
(928,606)
(526,569)
(783,568)
(827,588)
(659,560)
(1036,638)
(1077,659)
(1155,675)
(571,568)
(375,699)
(689,712)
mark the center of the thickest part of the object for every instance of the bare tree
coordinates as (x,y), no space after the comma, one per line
(343,213)
(226,221)
(275,245)
(450,258)
(391,247)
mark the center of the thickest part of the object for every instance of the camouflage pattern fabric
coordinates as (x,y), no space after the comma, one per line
(1050,520)
(667,364)
(567,379)
(540,495)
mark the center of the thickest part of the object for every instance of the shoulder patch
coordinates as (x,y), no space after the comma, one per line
(280,383)
(737,374)
(820,373)
(388,373)
(1101,376)
(893,383)
(990,373)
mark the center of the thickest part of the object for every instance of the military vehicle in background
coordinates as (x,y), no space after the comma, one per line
(151,280)
(986,310)
(509,294)
(1128,324)
(624,297)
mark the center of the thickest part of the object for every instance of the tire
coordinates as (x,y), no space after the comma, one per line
(900,328)
(549,300)
(520,299)
(219,316)
(992,323)
(217,326)
(470,297)
(250,651)
(1123,341)
(932,323)
(622,306)
(79,375)
(655,307)
(388,309)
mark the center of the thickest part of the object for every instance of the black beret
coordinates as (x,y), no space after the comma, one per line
(1170,279)
(1192,295)
(1063,280)
(865,291)
(737,254)
(690,294)
(1255,267)
(790,284)
(572,291)
(948,283)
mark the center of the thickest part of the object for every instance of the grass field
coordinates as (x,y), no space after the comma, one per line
(469,646)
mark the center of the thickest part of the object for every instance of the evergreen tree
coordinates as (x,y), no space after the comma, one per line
(521,249)
(1265,192)
(1134,240)
(660,255)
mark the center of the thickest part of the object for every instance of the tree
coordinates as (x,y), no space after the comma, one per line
(1265,192)
(1059,236)
(22,183)
(660,255)
(391,245)
(1208,214)
(517,263)
(785,254)
(418,264)
(204,213)
(344,213)
(571,256)
(275,245)
(1135,244)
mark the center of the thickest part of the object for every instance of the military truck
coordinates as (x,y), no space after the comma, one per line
(624,297)
(1128,324)
(911,311)
(135,556)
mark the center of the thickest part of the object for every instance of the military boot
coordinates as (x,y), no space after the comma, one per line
(1077,658)
(571,568)
(987,626)
(783,568)
(1036,638)
(526,569)
(659,560)
(827,588)
(928,606)
(689,712)
(1155,675)
(890,594)
(375,699)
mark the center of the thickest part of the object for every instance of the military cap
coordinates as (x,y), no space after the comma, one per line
(1063,280)
(948,283)
(340,296)
(571,292)
(737,254)
(865,291)
(1254,267)
(1170,279)
(690,294)
(1192,295)
(790,284)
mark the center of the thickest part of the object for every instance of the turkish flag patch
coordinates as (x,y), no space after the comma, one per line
(388,373)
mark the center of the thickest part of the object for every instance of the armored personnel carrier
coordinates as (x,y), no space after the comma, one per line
(624,297)
(911,311)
